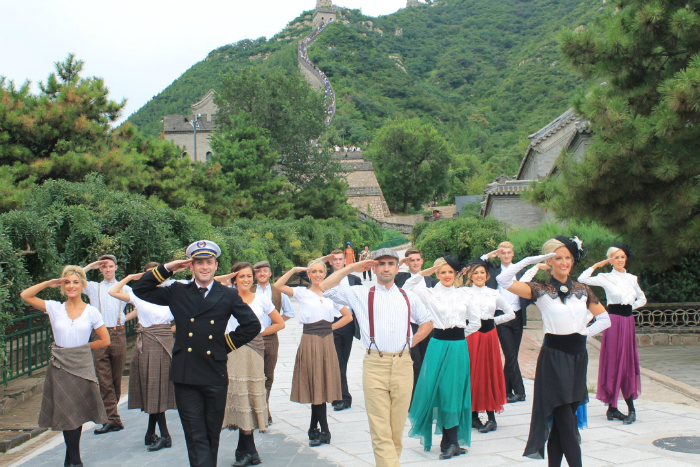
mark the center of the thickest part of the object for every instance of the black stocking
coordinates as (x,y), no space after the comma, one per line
(562,438)
(152,420)
(492,416)
(241,442)
(72,439)
(314,418)
(162,425)
(248,441)
(321,416)
(451,435)
(630,404)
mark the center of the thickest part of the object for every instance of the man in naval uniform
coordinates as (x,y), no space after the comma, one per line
(201,309)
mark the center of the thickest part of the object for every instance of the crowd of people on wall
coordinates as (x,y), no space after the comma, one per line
(432,336)
(328,94)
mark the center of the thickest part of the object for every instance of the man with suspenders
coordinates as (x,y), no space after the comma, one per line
(384,314)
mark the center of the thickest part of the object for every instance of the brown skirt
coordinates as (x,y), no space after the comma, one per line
(69,401)
(150,388)
(316,377)
(246,405)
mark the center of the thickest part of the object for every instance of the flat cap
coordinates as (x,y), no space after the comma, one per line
(261,264)
(385,252)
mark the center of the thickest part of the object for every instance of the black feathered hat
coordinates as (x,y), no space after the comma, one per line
(575,247)
(454,263)
(478,262)
(625,248)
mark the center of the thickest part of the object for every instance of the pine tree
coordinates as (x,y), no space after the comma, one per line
(641,174)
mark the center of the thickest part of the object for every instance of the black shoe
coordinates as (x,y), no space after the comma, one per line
(314,434)
(335,403)
(490,425)
(248,459)
(444,445)
(163,442)
(630,419)
(107,427)
(73,465)
(239,455)
(150,439)
(323,438)
(615,414)
(515,398)
(342,406)
(476,423)
(451,451)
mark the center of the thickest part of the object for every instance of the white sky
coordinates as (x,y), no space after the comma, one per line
(140,47)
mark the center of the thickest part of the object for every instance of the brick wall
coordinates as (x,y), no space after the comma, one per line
(515,211)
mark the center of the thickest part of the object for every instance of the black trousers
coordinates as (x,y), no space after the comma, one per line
(343,345)
(201,411)
(418,354)
(510,334)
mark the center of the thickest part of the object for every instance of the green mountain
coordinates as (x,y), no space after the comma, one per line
(486,73)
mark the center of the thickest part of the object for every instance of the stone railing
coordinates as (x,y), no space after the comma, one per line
(403,228)
(312,71)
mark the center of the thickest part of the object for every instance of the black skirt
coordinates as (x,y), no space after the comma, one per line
(560,379)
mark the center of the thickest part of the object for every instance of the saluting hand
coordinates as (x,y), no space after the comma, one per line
(600,264)
(430,271)
(178,265)
(135,277)
(365,265)
(56,282)
(95,265)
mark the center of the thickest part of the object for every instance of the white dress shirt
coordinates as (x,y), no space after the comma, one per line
(560,318)
(72,332)
(287,309)
(449,307)
(314,308)
(112,309)
(621,288)
(150,314)
(485,301)
(390,313)
(261,306)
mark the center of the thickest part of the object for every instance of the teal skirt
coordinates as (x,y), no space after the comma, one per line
(443,393)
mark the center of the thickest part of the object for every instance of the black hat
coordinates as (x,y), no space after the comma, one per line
(575,247)
(625,248)
(454,263)
(475,263)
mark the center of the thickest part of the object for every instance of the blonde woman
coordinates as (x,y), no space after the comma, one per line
(71,394)
(246,400)
(443,390)
(560,377)
(618,370)
(150,388)
(316,378)
(488,380)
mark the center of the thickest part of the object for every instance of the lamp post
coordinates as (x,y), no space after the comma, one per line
(195,126)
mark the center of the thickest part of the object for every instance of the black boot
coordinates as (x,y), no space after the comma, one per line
(451,451)
(323,438)
(490,425)
(614,413)
(248,459)
(150,439)
(314,434)
(163,442)
(631,418)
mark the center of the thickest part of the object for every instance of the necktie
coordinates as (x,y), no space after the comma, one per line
(203,290)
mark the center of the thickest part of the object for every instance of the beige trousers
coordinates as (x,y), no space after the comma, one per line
(387,382)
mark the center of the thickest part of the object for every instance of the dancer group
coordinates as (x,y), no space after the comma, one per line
(432,352)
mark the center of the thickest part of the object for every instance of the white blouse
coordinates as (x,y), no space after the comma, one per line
(621,288)
(485,301)
(149,313)
(72,332)
(561,318)
(313,308)
(261,306)
(449,307)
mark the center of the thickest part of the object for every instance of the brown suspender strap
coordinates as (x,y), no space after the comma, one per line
(370,310)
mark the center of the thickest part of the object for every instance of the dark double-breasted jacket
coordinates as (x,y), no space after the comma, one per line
(201,344)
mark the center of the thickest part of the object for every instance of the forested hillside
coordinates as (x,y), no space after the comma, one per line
(486,73)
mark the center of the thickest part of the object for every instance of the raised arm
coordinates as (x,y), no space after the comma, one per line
(29,294)
(506,278)
(147,287)
(587,278)
(94,265)
(335,278)
(226,278)
(281,283)
(116,290)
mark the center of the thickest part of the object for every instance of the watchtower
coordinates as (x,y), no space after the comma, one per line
(324,12)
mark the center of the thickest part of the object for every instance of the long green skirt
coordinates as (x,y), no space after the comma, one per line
(443,393)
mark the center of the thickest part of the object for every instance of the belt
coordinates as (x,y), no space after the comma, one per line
(487,325)
(117,327)
(568,343)
(451,334)
(620,310)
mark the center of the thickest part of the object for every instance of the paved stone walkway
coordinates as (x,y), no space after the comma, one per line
(286,444)
(681,363)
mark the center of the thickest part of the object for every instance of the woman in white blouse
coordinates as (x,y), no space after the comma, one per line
(488,381)
(150,388)
(246,400)
(71,394)
(560,377)
(316,378)
(618,370)
(443,392)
